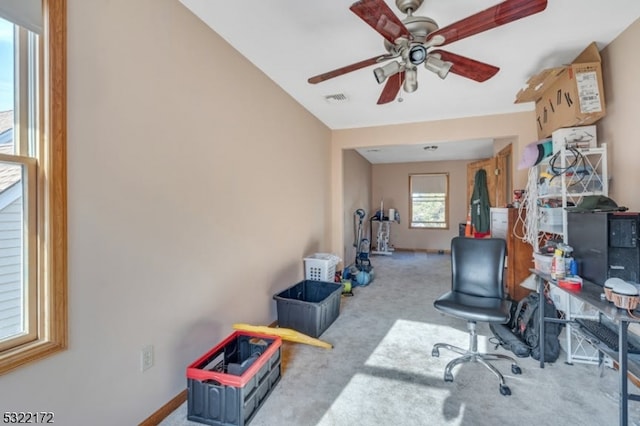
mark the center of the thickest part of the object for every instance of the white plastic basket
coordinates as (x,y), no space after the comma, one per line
(542,263)
(321,266)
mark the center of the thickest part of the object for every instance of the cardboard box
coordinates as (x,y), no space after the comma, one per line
(567,96)
(580,137)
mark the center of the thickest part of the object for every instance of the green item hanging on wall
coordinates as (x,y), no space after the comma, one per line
(480,203)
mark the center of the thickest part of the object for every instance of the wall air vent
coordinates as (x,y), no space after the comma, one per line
(337,98)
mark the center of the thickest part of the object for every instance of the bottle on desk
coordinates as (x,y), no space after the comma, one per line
(558,265)
(573,267)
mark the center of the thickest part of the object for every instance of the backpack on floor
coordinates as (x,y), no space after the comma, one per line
(506,335)
(527,327)
(508,340)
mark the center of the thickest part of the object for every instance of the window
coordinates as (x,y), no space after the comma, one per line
(429,200)
(33,269)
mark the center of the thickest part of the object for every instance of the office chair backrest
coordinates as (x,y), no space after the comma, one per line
(477,266)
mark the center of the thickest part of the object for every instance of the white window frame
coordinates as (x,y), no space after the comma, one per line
(440,225)
(47,266)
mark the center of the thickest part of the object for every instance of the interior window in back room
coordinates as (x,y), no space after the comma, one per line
(429,200)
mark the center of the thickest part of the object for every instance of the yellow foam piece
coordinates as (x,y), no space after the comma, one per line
(285,333)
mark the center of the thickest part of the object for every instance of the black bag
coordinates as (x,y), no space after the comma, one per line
(506,335)
(527,327)
(508,340)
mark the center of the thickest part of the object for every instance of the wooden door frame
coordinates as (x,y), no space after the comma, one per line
(504,176)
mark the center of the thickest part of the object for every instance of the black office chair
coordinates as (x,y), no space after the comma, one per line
(477,294)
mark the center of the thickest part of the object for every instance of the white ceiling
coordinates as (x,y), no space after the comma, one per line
(446,150)
(291,41)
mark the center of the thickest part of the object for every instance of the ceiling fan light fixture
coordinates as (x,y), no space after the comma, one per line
(384,72)
(410,79)
(417,54)
(438,66)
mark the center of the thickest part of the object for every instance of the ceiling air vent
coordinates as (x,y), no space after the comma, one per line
(337,98)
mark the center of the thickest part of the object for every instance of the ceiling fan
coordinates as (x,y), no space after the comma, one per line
(411,42)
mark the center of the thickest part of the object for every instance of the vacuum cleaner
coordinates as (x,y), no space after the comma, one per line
(361,271)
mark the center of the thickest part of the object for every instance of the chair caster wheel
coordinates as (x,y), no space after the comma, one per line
(504,390)
(435,352)
(515,369)
(448,377)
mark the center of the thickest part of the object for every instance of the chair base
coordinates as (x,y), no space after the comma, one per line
(472,355)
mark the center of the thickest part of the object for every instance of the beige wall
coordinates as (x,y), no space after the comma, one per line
(196,187)
(620,129)
(518,127)
(357,195)
(391,183)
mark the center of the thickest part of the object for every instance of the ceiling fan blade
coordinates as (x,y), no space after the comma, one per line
(466,67)
(347,69)
(500,14)
(381,18)
(391,89)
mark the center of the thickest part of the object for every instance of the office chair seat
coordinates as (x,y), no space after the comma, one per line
(474,308)
(477,295)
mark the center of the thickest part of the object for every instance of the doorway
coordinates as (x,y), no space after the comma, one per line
(499,177)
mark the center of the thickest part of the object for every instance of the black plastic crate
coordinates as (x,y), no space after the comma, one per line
(309,307)
(228,384)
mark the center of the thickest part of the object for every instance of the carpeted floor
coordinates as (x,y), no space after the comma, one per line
(381,371)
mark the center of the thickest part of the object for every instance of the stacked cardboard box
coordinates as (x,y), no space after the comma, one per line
(567,96)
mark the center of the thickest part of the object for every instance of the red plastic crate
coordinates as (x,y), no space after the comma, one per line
(217,397)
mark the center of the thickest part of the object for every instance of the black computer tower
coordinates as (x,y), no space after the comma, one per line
(605,245)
